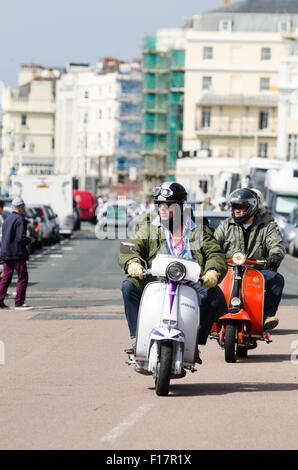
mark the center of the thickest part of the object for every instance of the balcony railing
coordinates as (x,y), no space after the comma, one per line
(228,126)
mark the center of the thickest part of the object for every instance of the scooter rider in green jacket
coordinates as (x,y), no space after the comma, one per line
(253,231)
(172,231)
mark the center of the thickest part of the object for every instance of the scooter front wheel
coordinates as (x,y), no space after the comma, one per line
(163,376)
(230,342)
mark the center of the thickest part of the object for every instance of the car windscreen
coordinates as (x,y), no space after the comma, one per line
(116,212)
(50,212)
(284,205)
(39,212)
(215,221)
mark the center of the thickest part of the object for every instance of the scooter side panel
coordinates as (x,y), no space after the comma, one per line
(188,320)
(150,312)
(226,285)
(253,286)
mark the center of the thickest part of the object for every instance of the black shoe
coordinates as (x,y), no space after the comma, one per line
(197,358)
(131,349)
(4,307)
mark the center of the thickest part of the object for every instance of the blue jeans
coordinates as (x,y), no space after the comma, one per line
(212,305)
(274,284)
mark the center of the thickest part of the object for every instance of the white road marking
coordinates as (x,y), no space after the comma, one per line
(56,256)
(127,423)
(67,248)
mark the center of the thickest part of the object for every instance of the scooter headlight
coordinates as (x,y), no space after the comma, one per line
(235,302)
(239,258)
(176,271)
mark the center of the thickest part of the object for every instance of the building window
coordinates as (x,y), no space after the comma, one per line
(266,53)
(225,25)
(86,94)
(53,143)
(264,84)
(293,111)
(206,116)
(85,118)
(207,53)
(99,139)
(263,119)
(207,83)
(263,149)
(108,139)
(100,114)
(23,119)
(292,146)
(205,144)
(284,26)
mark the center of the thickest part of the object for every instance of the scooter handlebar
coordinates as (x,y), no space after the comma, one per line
(249,261)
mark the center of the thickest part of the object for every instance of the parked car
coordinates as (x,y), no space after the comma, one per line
(76,216)
(87,205)
(53,218)
(5,214)
(214,217)
(119,213)
(45,223)
(33,229)
(289,232)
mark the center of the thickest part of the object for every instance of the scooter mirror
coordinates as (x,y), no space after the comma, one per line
(127,248)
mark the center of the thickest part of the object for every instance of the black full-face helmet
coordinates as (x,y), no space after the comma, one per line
(243,198)
(170,192)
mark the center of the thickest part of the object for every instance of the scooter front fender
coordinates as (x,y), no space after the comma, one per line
(241,315)
(162,334)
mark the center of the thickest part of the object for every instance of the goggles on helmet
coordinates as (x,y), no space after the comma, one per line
(165,192)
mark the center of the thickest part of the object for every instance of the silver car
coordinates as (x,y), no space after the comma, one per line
(45,224)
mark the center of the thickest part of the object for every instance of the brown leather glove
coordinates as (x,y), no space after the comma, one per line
(210,279)
(135,268)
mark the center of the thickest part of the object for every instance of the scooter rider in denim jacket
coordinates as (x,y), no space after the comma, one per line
(254,232)
(172,231)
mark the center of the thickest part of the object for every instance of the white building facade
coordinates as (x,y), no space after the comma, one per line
(28,133)
(88,123)
(287,145)
(232,73)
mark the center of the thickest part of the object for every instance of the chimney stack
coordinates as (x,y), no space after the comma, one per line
(224,2)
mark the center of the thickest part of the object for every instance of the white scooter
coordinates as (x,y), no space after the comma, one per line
(168,320)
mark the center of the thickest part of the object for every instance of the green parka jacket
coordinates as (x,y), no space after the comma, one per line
(149,239)
(264,240)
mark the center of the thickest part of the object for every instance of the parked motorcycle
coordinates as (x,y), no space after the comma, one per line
(168,321)
(244,291)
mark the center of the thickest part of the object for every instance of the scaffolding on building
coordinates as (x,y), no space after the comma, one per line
(162,106)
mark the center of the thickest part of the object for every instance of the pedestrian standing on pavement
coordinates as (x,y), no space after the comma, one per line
(14,254)
(1,211)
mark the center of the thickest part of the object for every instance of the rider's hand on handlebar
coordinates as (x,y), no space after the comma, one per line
(273,262)
(135,268)
(210,279)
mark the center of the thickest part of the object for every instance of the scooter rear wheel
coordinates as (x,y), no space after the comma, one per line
(230,342)
(162,381)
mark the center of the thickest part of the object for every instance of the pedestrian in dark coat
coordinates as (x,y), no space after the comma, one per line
(14,254)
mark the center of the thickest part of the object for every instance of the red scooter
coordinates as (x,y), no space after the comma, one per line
(244,291)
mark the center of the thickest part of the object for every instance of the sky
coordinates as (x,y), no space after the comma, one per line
(54,32)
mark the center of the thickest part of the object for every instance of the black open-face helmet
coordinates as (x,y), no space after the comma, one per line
(244,198)
(170,192)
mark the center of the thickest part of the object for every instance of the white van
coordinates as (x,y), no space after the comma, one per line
(53,190)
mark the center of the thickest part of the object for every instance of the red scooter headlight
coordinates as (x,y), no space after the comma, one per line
(239,258)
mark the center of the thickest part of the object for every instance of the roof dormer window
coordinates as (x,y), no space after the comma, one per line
(284,26)
(225,25)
